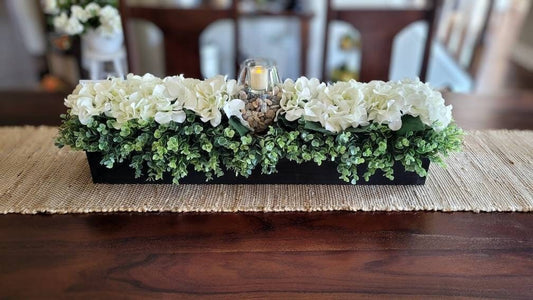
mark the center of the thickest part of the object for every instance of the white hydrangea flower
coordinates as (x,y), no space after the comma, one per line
(338,107)
(424,102)
(296,94)
(73,26)
(92,9)
(79,13)
(70,26)
(85,109)
(50,6)
(183,89)
(102,93)
(81,103)
(211,97)
(168,108)
(60,22)
(206,98)
(383,103)
(76,20)
(110,23)
(175,114)
(289,103)
(146,94)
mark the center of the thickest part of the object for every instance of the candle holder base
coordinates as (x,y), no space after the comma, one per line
(260,108)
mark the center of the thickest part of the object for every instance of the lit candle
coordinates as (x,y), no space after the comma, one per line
(258,78)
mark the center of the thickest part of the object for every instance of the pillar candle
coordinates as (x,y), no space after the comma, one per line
(258,78)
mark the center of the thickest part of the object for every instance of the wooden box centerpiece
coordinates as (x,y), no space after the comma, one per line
(258,130)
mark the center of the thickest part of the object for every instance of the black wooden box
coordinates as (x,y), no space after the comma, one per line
(289,172)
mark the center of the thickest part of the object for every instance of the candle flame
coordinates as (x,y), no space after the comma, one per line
(258,70)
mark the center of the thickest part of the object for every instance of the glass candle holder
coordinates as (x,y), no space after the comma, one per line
(261,92)
(259,74)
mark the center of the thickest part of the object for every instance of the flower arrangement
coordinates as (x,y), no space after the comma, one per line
(75,17)
(176,124)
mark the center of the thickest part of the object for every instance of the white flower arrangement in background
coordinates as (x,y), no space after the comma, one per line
(336,107)
(74,17)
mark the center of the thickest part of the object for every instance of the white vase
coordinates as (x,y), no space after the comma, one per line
(103,44)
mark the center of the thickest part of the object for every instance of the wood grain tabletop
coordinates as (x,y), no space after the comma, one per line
(327,255)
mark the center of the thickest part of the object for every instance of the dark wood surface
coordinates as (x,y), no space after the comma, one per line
(31,107)
(332,255)
(279,255)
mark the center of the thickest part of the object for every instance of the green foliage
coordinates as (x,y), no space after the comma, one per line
(236,124)
(410,123)
(155,150)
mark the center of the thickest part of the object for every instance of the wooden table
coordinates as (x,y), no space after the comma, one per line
(278,255)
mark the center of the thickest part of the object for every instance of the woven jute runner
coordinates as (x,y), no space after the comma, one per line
(494,173)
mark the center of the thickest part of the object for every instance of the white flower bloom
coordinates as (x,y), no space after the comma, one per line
(290,105)
(81,103)
(168,109)
(92,9)
(387,102)
(71,99)
(108,12)
(338,107)
(85,109)
(383,103)
(182,89)
(50,6)
(234,108)
(108,16)
(211,97)
(110,23)
(79,13)
(73,26)
(232,88)
(60,22)
(422,101)
(164,117)
(296,94)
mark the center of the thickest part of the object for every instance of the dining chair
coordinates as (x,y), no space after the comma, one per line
(462,30)
(377,28)
(304,19)
(181,30)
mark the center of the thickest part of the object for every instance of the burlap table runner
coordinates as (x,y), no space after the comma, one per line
(495,173)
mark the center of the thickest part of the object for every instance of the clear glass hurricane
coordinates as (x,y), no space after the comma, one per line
(261,92)
(259,74)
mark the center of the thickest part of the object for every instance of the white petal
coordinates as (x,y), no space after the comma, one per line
(395,124)
(178,116)
(233,107)
(162,117)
